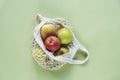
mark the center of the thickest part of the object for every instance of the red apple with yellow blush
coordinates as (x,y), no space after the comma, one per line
(47,30)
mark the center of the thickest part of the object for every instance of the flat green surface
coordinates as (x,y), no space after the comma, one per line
(96,24)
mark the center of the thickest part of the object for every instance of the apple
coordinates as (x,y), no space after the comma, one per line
(52,43)
(65,35)
(47,30)
(61,51)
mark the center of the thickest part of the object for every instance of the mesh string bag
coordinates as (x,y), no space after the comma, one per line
(45,58)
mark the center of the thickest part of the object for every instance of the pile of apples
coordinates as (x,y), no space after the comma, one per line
(56,38)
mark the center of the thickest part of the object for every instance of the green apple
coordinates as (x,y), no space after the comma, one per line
(47,30)
(65,35)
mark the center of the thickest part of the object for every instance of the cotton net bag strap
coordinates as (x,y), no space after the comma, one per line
(74,46)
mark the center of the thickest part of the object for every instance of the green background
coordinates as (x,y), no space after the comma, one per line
(96,24)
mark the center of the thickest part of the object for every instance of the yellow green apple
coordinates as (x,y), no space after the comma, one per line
(65,35)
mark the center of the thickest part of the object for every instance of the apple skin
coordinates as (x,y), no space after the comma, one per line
(62,50)
(65,35)
(47,30)
(52,43)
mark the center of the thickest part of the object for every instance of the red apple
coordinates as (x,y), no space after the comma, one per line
(52,43)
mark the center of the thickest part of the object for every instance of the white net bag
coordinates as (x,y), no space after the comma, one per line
(45,58)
